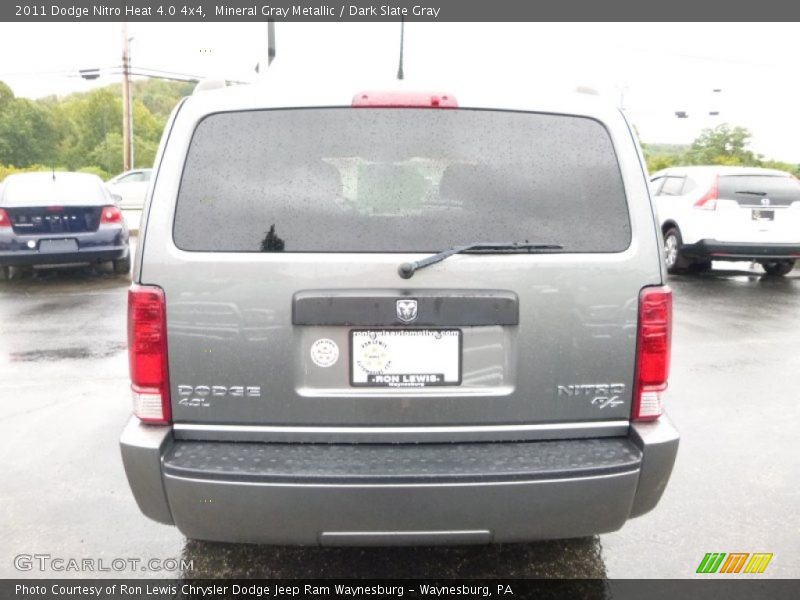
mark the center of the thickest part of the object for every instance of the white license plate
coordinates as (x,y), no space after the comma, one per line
(405,357)
(56,246)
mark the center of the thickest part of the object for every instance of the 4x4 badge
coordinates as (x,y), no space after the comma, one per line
(406,310)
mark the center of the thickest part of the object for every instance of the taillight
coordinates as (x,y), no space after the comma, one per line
(709,200)
(5,221)
(652,352)
(110,214)
(147,354)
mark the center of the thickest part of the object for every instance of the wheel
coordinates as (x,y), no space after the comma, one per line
(672,253)
(778,268)
(123,265)
(4,275)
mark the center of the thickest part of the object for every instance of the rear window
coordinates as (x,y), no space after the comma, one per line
(399,180)
(751,189)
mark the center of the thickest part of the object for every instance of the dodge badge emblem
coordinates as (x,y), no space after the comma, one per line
(406,310)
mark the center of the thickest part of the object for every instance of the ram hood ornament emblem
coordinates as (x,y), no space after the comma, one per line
(406,310)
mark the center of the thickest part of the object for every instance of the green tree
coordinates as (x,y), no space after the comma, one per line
(781,166)
(6,95)
(83,131)
(27,134)
(722,145)
(159,96)
(145,151)
(107,154)
(92,116)
(656,162)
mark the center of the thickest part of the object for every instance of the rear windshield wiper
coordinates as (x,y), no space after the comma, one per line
(406,270)
(751,192)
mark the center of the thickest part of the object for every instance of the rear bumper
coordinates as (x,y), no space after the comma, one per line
(715,250)
(89,255)
(108,242)
(368,494)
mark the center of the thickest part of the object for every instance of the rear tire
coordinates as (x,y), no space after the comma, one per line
(675,262)
(700,266)
(4,273)
(779,268)
(17,273)
(122,266)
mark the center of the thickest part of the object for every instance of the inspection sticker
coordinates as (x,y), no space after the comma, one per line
(324,352)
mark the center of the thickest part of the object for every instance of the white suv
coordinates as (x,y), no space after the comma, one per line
(728,213)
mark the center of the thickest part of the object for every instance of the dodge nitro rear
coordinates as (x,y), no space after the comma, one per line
(397,317)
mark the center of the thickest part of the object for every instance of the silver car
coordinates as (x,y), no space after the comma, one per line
(397,318)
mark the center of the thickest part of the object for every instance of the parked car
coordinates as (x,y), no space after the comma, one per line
(58,218)
(728,213)
(131,187)
(397,318)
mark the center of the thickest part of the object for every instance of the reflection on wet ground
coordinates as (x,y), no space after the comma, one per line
(53,320)
(50,280)
(80,352)
(576,558)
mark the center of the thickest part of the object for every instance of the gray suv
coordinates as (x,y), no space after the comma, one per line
(397,318)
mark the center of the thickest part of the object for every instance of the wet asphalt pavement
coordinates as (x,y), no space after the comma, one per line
(733,395)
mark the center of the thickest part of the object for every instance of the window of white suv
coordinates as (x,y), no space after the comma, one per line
(673,186)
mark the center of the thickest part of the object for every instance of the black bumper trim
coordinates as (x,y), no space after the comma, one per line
(82,256)
(376,464)
(378,308)
(712,249)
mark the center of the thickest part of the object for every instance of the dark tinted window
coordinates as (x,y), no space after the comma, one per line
(750,189)
(672,186)
(396,180)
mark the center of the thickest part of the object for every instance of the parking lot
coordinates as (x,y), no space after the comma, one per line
(733,395)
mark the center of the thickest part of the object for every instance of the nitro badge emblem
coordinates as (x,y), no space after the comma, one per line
(324,352)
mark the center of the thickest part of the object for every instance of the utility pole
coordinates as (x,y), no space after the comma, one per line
(131,135)
(127,109)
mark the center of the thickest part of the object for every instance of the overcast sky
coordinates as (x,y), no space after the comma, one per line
(653,69)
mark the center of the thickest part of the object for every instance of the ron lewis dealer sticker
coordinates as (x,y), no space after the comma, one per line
(324,352)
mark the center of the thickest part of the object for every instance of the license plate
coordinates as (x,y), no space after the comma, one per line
(763,215)
(58,246)
(405,357)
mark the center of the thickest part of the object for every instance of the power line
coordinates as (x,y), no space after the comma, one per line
(110,70)
(68,73)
